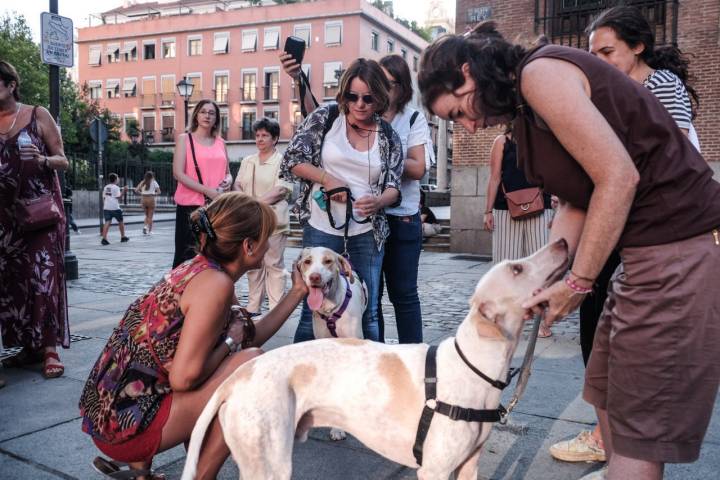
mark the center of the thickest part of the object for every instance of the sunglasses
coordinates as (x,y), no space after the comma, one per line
(354,97)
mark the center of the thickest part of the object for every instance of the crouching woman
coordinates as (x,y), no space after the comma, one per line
(178,342)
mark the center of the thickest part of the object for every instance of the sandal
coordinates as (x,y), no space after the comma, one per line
(122,471)
(24,357)
(53,370)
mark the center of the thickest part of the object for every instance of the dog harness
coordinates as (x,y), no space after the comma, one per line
(454,412)
(330,320)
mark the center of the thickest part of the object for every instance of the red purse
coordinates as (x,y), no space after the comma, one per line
(33,214)
(524,203)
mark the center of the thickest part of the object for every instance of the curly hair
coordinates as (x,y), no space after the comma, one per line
(492,61)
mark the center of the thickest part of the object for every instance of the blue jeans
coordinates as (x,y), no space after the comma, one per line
(365,259)
(400,272)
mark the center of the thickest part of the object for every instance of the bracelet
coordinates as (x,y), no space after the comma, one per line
(488,211)
(46,162)
(575,287)
(322,177)
(587,279)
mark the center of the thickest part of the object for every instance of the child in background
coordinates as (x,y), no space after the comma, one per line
(111,208)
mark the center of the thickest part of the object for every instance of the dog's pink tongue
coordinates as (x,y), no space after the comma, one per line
(315,298)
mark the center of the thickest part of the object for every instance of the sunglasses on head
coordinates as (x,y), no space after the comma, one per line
(354,97)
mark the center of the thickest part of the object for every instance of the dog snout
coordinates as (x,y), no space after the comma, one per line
(315,278)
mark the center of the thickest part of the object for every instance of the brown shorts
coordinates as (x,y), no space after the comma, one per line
(148,201)
(655,362)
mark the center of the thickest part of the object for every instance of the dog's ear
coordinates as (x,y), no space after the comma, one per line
(488,309)
(345,268)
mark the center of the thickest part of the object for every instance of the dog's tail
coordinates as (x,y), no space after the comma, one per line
(198,433)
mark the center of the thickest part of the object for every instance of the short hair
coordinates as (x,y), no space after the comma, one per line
(398,68)
(9,74)
(196,112)
(233,217)
(368,71)
(269,125)
(112,177)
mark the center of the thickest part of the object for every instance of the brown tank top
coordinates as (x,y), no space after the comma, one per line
(676,197)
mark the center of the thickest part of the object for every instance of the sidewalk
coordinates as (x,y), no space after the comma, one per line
(40,435)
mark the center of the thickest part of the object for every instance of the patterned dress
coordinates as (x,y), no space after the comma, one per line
(131,377)
(33,295)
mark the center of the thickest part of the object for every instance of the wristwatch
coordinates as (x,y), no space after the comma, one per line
(234,347)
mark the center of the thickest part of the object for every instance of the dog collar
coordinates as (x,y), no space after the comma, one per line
(330,320)
(495,383)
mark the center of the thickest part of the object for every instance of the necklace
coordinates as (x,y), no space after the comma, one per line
(12,125)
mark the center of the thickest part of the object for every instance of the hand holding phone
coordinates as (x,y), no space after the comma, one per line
(295,46)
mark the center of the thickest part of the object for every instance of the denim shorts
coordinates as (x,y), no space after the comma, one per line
(110,214)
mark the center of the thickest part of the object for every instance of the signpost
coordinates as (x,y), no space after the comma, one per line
(99,135)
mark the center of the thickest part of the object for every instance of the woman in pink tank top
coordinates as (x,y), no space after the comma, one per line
(200,166)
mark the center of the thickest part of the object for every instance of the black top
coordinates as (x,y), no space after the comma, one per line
(430,216)
(512,177)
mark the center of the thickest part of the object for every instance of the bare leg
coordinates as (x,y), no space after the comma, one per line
(623,467)
(105,229)
(149,217)
(604,425)
(187,407)
(596,435)
(122,229)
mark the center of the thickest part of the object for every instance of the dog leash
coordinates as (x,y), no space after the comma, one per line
(348,214)
(524,369)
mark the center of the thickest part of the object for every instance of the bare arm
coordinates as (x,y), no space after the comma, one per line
(560,93)
(315,174)
(52,139)
(274,195)
(494,181)
(414,165)
(291,67)
(179,169)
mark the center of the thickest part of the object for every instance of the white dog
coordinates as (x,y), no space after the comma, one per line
(336,295)
(376,391)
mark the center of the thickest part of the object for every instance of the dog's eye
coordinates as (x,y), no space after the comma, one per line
(307,261)
(516,268)
(328,261)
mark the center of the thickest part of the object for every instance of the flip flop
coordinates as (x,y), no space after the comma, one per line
(121,471)
(52,370)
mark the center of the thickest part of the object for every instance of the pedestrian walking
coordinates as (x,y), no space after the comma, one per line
(621,181)
(111,208)
(202,170)
(33,296)
(259,177)
(148,189)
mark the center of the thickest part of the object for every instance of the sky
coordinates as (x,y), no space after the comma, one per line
(79,13)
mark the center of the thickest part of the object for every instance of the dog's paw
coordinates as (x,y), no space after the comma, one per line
(337,434)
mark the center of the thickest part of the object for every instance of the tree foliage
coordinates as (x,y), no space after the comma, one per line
(387,7)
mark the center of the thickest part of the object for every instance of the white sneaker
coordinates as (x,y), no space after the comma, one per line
(145,231)
(582,448)
(597,474)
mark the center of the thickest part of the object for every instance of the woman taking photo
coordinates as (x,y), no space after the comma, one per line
(258,177)
(33,299)
(359,151)
(583,133)
(201,168)
(148,190)
(177,343)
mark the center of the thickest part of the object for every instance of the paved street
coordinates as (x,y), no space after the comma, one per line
(40,436)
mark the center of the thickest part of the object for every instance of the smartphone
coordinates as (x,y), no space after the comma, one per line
(295,46)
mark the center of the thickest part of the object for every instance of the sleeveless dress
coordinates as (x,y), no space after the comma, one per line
(33,295)
(130,380)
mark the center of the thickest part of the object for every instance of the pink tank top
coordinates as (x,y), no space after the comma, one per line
(212,163)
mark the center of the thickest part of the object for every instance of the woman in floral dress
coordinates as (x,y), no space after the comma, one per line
(33,297)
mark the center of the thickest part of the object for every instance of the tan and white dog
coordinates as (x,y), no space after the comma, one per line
(376,391)
(329,278)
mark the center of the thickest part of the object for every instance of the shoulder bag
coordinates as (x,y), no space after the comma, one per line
(33,214)
(524,203)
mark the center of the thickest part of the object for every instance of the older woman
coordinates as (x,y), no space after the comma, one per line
(582,133)
(359,151)
(177,343)
(33,298)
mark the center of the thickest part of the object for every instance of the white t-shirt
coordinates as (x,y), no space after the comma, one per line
(410,137)
(154,187)
(111,193)
(359,170)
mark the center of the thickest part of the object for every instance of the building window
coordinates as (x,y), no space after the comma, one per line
(167,90)
(194,46)
(390,45)
(272,86)
(248,119)
(415,63)
(221,87)
(403,52)
(95,55)
(297,119)
(149,51)
(196,80)
(148,128)
(375,41)
(304,32)
(112,88)
(168,48)
(130,51)
(130,87)
(249,40)
(272,113)
(168,127)
(249,86)
(221,43)
(332,71)
(95,89)
(148,92)
(113,53)
(333,33)
(271,39)
(224,123)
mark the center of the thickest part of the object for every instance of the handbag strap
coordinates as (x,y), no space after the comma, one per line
(252,184)
(197,169)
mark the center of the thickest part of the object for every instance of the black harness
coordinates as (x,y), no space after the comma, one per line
(454,412)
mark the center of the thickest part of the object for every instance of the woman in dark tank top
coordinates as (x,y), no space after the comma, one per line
(627,177)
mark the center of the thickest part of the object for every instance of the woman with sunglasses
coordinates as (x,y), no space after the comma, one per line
(359,152)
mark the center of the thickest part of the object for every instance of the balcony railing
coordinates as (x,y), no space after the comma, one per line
(167,100)
(271,93)
(148,100)
(167,134)
(248,94)
(148,136)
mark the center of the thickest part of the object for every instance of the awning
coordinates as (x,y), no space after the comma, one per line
(129,47)
(249,41)
(112,49)
(95,55)
(221,44)
(112,84)
(272,39)
(329,78)
(129,85)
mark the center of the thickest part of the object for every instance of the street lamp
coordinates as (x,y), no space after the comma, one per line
(185,89)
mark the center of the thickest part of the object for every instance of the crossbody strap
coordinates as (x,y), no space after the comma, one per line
(197,169)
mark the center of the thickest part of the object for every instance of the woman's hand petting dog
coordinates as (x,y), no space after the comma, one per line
(298,284)
(554,302)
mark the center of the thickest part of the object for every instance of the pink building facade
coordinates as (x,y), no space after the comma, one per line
(132,68)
